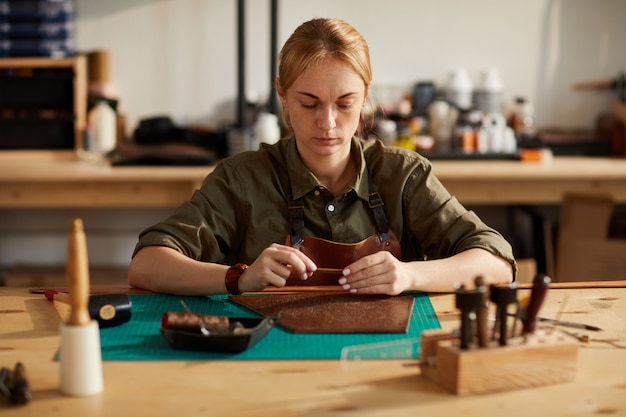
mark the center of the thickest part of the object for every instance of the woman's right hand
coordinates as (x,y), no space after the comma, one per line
(274,266)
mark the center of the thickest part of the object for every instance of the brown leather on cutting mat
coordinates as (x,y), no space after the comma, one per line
(333,312)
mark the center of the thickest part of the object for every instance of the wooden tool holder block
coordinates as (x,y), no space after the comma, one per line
(541,359)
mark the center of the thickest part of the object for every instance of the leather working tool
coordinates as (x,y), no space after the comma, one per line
(537,295)
(108,310)
(468,302)
(14,385)
(502,296)
(482,312)
(80,351)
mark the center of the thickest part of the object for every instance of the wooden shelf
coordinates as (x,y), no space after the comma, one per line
(78,65)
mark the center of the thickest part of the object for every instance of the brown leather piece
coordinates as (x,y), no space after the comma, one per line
(333,255)
(333,312)
(194,323)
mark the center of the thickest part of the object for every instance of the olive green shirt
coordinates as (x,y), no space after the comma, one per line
(242,207)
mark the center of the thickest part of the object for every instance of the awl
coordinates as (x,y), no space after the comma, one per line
(537,295)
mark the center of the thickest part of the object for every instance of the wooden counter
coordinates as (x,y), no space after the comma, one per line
(66,183)
(513,182)
(29,332)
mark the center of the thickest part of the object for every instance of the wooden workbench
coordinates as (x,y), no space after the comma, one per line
(29,332)
(62,182)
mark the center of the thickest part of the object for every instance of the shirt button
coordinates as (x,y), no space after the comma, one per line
(331,208)
(317,193)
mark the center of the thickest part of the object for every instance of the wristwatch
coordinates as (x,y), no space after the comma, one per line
(232,278)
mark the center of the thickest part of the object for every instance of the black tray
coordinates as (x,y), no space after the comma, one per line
(227,343)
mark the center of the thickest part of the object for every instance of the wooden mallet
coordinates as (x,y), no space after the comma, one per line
(81,358)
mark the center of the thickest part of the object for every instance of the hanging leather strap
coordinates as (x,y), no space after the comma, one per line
(296,212)
(296,207)
(377,206)
(375,202)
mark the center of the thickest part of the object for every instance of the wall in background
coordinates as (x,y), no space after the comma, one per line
(178,58)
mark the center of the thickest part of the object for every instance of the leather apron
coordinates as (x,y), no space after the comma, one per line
(332,257)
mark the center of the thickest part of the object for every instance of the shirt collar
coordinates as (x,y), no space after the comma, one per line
(303,181)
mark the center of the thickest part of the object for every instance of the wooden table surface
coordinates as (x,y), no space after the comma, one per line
(29,332)
(66,183)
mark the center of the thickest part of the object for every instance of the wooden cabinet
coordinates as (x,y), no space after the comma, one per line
(43,103)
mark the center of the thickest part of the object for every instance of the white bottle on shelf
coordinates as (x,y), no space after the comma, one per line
(459,89)
(496,125)
(488,96)
(523,122)
(266,129)
(103,123)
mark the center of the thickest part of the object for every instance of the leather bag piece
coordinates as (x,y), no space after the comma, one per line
(332,312)
(334,255)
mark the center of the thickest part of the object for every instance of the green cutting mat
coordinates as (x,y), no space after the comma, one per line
(140,339)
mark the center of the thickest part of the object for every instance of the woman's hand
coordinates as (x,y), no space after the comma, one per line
(379,273)
(382,273)
(273,266)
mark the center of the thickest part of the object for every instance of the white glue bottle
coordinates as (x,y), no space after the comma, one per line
(103,123)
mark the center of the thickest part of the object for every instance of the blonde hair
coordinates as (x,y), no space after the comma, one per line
(315,40)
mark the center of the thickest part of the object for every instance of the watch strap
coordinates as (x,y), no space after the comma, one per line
(232,278)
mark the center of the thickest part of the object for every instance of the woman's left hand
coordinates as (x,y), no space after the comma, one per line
(379,273)
(382,273)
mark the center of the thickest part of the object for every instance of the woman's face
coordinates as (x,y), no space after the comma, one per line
(324,105)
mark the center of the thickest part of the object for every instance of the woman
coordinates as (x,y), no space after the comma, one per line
(259,216)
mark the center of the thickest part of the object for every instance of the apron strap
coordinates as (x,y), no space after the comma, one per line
(296,207)
(377,206)
(296,212)
(375,202)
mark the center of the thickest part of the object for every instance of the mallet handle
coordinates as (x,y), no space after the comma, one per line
(77,274)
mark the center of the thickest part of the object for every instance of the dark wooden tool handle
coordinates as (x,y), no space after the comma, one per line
(482,312)
(537,295)
(20,388)
(77,271)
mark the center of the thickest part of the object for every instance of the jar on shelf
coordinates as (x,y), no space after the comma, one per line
(459,89)
(488,94)
(102,121)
